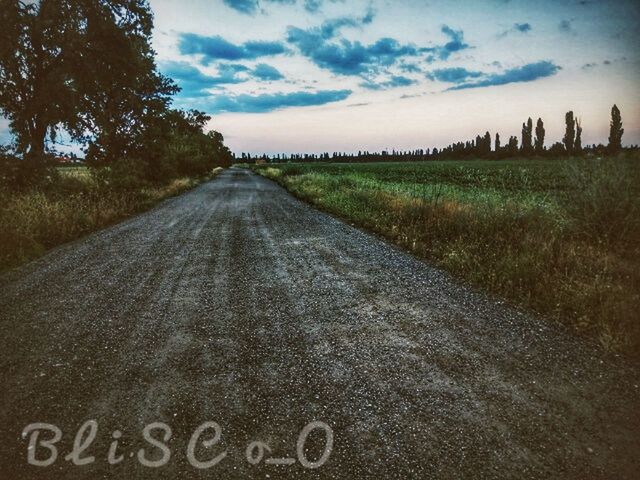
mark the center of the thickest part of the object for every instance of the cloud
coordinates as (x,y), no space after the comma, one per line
(324,47)
(343,56)
(615,60)
(410,68)
(565,26)
(330,28)
(217,48)
(522,27)
(243,6)
(227,73)
(517,28)
(394,82)
(194,83)
(399,81)
(268,102)
(313,6)
(266,72)
(185,72)
(455,44)
(369,16)
(453,75)
(250,7)
(258,48)
(526,73)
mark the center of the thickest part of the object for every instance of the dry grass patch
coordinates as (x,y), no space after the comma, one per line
(36,220)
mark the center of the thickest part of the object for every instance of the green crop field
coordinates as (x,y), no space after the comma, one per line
(558,236)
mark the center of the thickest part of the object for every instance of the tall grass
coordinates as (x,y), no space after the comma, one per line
(72,205)
(561,237)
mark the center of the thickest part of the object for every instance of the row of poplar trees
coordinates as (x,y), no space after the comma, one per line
(532,142)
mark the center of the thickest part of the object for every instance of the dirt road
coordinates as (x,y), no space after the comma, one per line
(238,304)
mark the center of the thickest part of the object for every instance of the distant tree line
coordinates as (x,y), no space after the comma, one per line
(530,144)
(86,68)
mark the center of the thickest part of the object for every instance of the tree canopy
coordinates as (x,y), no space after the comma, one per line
(86,67)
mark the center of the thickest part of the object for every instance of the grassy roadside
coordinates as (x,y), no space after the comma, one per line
(558,236)
(76,204)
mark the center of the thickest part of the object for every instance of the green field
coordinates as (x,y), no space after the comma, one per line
(558,236)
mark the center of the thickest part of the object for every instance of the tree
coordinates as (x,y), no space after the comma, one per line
(570,132)
(539,143)
(497,144)
(124,107)
(527,136)
(512,147)
(557,149)
(487,144)
(578,142)
(616,131)
(36,93)
(187,150)
(82,65)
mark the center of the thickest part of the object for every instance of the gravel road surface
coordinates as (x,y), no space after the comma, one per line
(238,304)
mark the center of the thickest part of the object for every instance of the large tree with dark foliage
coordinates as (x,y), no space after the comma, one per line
(570,132)
(82,65)
(123,107)
(616,131)
(36,89)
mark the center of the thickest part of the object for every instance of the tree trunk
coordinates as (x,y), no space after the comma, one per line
(37,143)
